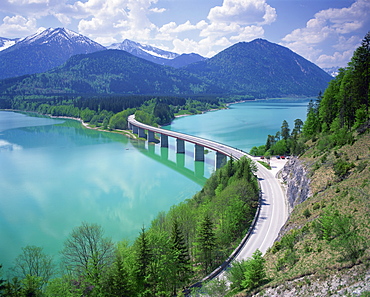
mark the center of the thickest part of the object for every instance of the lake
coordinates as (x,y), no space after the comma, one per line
(55,174)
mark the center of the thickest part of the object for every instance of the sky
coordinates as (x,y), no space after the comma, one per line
(326,32)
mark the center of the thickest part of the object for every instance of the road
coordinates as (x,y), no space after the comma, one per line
(273,211)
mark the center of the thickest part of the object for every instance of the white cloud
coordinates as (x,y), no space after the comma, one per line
(337,59)
(243,12)
(334,26)
(158,10)
(17,26)
(248,33)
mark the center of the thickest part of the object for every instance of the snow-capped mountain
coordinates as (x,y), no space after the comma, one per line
(7,42)
(43,51)
(62,37)
(142,50)
(156,55)
(333,71)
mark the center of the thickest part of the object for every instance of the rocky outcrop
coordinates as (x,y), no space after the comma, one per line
(295,178)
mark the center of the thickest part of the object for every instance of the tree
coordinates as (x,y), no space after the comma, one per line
(33,262)
(285,131)
(298,124)
(118,282)
(254,271)
(206,243)
(182,268)
(87,253)
(2,281)
(143,260)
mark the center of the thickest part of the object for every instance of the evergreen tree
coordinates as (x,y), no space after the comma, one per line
(254,271)
(143,260)
(285,131)
(182,265)
(206,242)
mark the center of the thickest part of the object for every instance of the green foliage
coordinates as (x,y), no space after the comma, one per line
(342,233)
(345,103)
(255,272)
(342,167)
(206,243)
(307,213)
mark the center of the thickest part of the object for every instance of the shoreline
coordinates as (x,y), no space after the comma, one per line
(127,133)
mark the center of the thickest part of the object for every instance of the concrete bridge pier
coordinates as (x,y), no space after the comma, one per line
(135,129)
(164,140)
(220,160)
(142,133)
(151,136)
(198,153)
(180,146)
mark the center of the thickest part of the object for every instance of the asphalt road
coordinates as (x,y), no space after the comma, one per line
(273,215)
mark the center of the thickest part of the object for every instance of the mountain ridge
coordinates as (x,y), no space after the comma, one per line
(256,69)
(262,68)
(43,51)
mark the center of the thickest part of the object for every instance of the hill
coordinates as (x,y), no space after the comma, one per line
(262,69)
(43,51)
(108,72)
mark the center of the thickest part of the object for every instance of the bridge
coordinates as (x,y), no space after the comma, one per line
(222,150)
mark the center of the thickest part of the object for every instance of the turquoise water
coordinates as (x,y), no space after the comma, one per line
(243,125)
(55,174)
(58,174)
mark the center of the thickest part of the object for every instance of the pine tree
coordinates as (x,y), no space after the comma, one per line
(143,260)
(285,131)
(182,268)
(206,242)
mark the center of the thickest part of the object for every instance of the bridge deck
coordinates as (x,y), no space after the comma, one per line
(213,145)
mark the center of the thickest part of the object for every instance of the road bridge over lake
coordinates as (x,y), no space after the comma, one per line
(222,150)
(272,212)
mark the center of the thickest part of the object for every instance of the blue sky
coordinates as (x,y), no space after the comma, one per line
(325,32)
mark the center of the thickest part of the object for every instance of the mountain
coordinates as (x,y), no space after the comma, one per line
(156,55)
(184,60)
(333,71)
(108,72)
(7,42)
(257,69)
(262,69)
(143,51)
(43,51)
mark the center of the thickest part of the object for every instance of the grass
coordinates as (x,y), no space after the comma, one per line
(306,254)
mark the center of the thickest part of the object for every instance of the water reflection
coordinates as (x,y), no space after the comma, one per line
(198,171)
(66,174)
